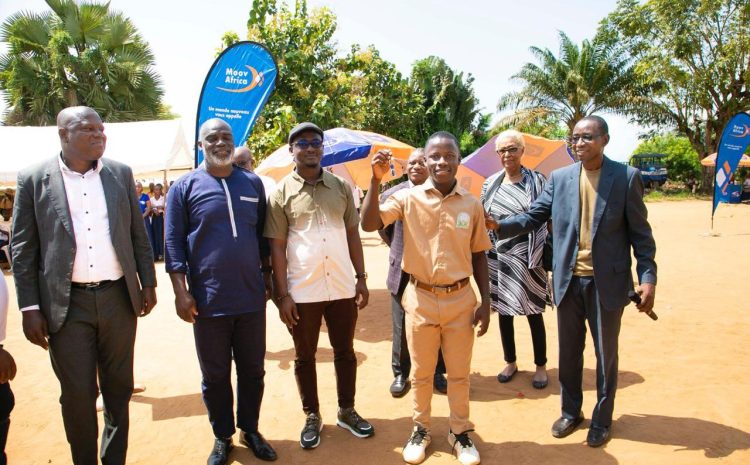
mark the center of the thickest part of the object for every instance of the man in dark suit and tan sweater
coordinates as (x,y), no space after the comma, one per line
(84,272)
(393,235)
(598,217)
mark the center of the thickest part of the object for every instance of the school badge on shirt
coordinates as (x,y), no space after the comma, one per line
(462,220)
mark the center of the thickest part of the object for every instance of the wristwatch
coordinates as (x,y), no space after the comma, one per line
(362,275)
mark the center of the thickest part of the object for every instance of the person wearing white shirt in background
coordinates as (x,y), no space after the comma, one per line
(7,373)
(243,158)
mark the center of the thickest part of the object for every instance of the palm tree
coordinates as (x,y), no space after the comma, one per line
(449,100)
(77,55)
(583,80)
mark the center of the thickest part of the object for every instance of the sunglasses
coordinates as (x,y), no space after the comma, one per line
(304,144)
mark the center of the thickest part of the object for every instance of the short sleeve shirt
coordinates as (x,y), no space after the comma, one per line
(314,218)
(440,233)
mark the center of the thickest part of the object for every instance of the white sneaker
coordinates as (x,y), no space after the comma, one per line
(416,446)
(463,448)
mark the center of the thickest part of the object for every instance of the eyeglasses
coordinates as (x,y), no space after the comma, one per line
(585,138)
(304,144)
(508,150)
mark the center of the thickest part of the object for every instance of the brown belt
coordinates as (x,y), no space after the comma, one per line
(447,289)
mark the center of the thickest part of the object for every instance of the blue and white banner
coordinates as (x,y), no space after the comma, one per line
(734,141)
(236,88)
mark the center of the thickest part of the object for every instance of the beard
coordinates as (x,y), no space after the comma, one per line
(218,162)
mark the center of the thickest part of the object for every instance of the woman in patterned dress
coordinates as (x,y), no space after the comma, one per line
(518,281)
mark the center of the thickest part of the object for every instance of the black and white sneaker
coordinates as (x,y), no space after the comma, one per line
(310,436)
(414,450)
(463,448)
(358,426)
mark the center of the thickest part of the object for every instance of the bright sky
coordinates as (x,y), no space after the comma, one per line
(488,38)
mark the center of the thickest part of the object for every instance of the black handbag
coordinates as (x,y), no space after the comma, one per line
(547,253)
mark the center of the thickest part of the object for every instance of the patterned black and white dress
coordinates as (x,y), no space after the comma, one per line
(518,282)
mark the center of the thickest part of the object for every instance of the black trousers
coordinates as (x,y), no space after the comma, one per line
(98,336)
(217,341)
(7,402)
(538,338)
(400,358)
(581,304)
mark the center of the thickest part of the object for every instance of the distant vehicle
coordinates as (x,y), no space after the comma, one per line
(652,168)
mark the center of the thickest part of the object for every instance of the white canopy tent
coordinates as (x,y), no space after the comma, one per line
(150,148)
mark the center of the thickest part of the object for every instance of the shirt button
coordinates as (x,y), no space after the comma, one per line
(87,213)
(90,247)
(91,266)
(84,193)
(89,229)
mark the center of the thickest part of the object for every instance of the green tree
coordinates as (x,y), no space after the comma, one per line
(694,55)
(380,98)
(562,89)
(449,102)
(77,55)
(302,44)
(548,127)
(682,159)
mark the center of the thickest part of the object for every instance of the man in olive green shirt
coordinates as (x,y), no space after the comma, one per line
(309,218)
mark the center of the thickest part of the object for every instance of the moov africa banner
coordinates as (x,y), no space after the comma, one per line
(236,88)
(734,141)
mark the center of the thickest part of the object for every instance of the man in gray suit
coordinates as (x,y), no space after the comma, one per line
(598,215)
(79,249)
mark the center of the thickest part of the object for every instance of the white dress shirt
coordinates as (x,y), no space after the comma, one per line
(95,258)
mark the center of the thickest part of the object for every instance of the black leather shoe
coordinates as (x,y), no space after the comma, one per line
(564,426)
(501,378)
(598,435)
(258,444)
(220,453)
(400,386)
(440,383)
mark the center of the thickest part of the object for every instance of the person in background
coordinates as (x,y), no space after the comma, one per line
(243,158)
(6,204)
(158,202)
(518,281)
(746,187)
(7,373)
(144,202)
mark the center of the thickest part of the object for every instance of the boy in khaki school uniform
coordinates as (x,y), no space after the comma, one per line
(444,243)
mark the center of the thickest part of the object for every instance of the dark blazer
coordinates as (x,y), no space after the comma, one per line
(43,242)
(620,222)
(393,235)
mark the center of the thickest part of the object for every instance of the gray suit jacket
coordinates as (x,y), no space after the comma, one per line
(43,243)
(620,222)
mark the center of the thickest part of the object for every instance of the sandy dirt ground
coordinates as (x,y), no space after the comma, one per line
(683,396)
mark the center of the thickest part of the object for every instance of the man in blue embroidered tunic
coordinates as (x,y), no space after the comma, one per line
(217,259)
